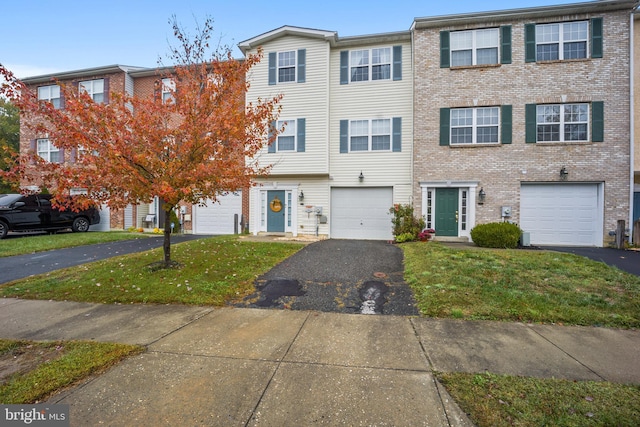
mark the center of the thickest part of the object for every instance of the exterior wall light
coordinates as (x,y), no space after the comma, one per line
(563,173)
(360,177)
(481,196)
(301,197)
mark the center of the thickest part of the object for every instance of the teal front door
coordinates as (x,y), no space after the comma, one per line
(446,223)
(275,211)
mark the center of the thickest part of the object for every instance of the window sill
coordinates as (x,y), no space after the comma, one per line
(474,67)
(563,143)
(562,61)
(476,145)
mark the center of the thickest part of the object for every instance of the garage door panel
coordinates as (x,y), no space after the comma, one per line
(361,213)
(219,217)
(561,214)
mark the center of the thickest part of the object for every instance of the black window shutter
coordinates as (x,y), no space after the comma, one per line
(505,44)
(506,124)
(397,63)
(445,62)
(344,67)
(105,88)
(272,68)
(530,42)
(596,38)
(397,134)
(531,124)
(445,124)
(597,121)
(302,65)
(300,130)
(344,136)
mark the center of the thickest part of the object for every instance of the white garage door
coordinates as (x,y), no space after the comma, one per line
(361,213)
(219,217)
(562,214)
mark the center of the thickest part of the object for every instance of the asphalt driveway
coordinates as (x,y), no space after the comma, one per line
(344,276)
(628,261)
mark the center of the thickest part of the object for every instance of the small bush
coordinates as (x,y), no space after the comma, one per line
(406,226)
(496,235)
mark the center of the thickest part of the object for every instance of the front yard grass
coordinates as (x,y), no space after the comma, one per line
(520,285)
(213,271)
(31,371)
(47,242)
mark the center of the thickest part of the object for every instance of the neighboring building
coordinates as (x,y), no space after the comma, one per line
(636,117)
(344,155)
(531,108)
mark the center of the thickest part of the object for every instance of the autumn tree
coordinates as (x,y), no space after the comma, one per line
(200,143)
(9,140)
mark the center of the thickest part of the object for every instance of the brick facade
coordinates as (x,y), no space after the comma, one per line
(501,168)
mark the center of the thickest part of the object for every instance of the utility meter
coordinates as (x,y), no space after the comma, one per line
(506,211)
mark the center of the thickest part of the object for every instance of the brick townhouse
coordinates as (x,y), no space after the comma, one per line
(520,115)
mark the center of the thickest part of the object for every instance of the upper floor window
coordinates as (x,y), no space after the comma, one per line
(564,40)
(475,47)
(383,63)
(287,66)
(370,64)
(567,40)
(95,89)
(565,122)
(576,122)
(371,135)
(48,151)
(50,93)
(291,136)
(168,90)
(475,125)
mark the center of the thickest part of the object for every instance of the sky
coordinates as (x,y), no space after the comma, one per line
(46,36)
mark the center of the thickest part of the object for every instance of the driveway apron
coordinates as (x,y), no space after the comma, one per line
(343,276)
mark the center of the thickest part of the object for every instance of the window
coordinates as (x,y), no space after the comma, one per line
(566,40)
(370,64)
(48,151)
(291,136)
(474,47)
(95,89)
(50,93)
(371,135)
(475,125)
(564,122)
(168,90)
(287,66)
(287,138)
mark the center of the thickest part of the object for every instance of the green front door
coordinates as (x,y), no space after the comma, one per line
(446,223)
(275,211)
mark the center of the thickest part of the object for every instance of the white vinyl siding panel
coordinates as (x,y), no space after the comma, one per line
(381,99)
(308,100)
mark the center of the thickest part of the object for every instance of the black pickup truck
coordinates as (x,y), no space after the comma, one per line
(35,212)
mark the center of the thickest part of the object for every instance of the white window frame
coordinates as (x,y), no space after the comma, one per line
(475,44)
(168,90)
(289,130)
(562,121)
(284,63)
(368,61)
(547,39)
(370,133)
(50,93)
(49,152)
(475,125)
(95,89)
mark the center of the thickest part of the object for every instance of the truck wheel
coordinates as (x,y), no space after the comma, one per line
(80,224)
(3,230)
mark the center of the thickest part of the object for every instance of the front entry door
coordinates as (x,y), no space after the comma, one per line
(446,211)
(275,211)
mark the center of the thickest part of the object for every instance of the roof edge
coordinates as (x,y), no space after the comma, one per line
(66,75)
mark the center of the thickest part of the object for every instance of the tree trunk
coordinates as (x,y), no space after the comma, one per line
(166,246)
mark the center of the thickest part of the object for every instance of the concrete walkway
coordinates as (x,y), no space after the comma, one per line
(238,367)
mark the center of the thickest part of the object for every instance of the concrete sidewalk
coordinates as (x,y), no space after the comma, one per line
(233,366)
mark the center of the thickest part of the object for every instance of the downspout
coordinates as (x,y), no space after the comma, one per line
(631,118)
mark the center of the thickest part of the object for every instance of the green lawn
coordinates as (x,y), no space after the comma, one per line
(520,285)
(46,242)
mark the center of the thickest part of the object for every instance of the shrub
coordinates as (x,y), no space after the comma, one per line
(405,224)
(496,235)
